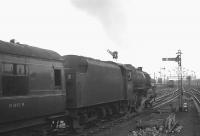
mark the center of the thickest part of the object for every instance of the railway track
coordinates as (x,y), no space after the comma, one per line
(168,93)
(166,98)
(164,91)
(195,97)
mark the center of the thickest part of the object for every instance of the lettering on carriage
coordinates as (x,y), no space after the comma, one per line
(16,105)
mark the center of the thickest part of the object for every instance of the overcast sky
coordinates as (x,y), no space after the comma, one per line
(142,31)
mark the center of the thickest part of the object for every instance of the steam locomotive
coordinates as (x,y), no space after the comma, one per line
(39,86)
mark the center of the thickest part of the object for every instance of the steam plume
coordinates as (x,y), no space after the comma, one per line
(109,12)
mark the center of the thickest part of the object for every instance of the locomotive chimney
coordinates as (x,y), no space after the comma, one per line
(12,41)
(139,68)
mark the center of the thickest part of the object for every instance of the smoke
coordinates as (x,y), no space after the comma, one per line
(110,13)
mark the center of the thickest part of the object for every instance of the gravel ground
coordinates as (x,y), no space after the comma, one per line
(124,128)
(121,129)
(190,121)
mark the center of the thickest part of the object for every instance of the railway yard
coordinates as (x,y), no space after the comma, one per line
(163,118)
(46,94)
(100,68)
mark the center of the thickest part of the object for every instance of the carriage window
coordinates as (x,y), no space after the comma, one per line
(21,70)
(14,69)
(57,77)
(8,68)
(12,84)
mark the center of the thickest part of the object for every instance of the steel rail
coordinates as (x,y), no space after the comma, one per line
(194,98)
(169,100)
(157,99)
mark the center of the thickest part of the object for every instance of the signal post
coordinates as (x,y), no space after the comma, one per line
(180,76)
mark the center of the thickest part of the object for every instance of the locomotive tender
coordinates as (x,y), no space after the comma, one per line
(38,85)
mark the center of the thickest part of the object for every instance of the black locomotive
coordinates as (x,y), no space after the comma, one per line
(39,85)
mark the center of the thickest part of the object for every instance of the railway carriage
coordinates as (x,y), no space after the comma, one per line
(31,84)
